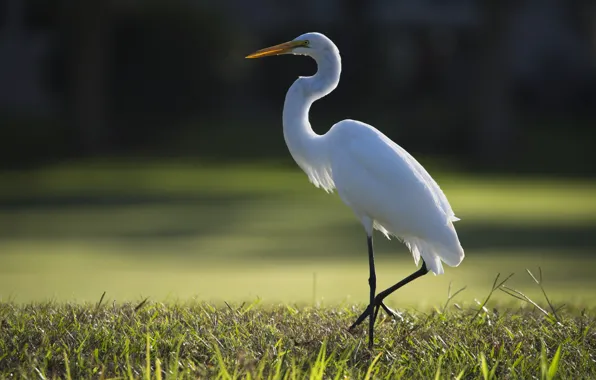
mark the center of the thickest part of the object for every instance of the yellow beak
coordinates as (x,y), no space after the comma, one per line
(286,47)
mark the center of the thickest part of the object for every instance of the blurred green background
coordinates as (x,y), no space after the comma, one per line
(177,231)
(142,155)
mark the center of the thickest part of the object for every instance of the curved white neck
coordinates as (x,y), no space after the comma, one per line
(302,141)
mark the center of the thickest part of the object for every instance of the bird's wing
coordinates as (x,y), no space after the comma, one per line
(389,164)
(436,192)
(380,181)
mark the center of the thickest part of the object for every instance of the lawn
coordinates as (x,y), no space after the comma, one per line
(249,271)
(249,341)
(237,233)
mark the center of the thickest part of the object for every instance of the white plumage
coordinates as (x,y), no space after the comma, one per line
(391,189)
(384,185)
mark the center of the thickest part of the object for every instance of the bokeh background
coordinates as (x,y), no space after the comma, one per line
(142,155)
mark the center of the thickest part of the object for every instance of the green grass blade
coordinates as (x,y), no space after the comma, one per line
(493,371)
(157,369)
(554,365)
(461,374)
(484,367)
(223,371)
(543,362)
(438,372)
(127,358)
(148,359)
(371,367)
(67,366)
(318,368)
(174,361)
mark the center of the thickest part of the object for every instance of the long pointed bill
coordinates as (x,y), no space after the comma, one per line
(286,47)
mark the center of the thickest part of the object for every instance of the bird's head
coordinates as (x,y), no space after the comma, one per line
(311,44)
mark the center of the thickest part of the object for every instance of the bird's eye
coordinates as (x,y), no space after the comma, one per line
(306,42)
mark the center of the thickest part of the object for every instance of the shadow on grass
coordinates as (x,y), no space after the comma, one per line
(480,235)
(169,219)
(479,238)
(120,218)
(94,201)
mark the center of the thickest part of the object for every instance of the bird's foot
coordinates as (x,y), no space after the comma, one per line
(390,312)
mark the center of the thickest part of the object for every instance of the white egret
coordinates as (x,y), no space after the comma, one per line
(384,185)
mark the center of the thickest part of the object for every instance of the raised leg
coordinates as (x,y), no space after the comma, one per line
(378,300)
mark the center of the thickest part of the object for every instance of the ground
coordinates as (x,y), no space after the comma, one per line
(190,237)
(191,340)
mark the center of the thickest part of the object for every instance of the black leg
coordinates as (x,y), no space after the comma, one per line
(378,301)
(372,283)
(419,273)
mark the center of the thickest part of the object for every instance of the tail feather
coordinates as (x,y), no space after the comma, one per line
(434,254)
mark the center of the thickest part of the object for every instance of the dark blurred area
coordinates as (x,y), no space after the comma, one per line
(489,86)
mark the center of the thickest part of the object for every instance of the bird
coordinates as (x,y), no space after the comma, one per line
(386,188)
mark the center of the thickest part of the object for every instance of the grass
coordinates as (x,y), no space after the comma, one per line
(179,248)
(201,340)
(229,233)
(129,277)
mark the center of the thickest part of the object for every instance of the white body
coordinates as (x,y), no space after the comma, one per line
(384,185)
